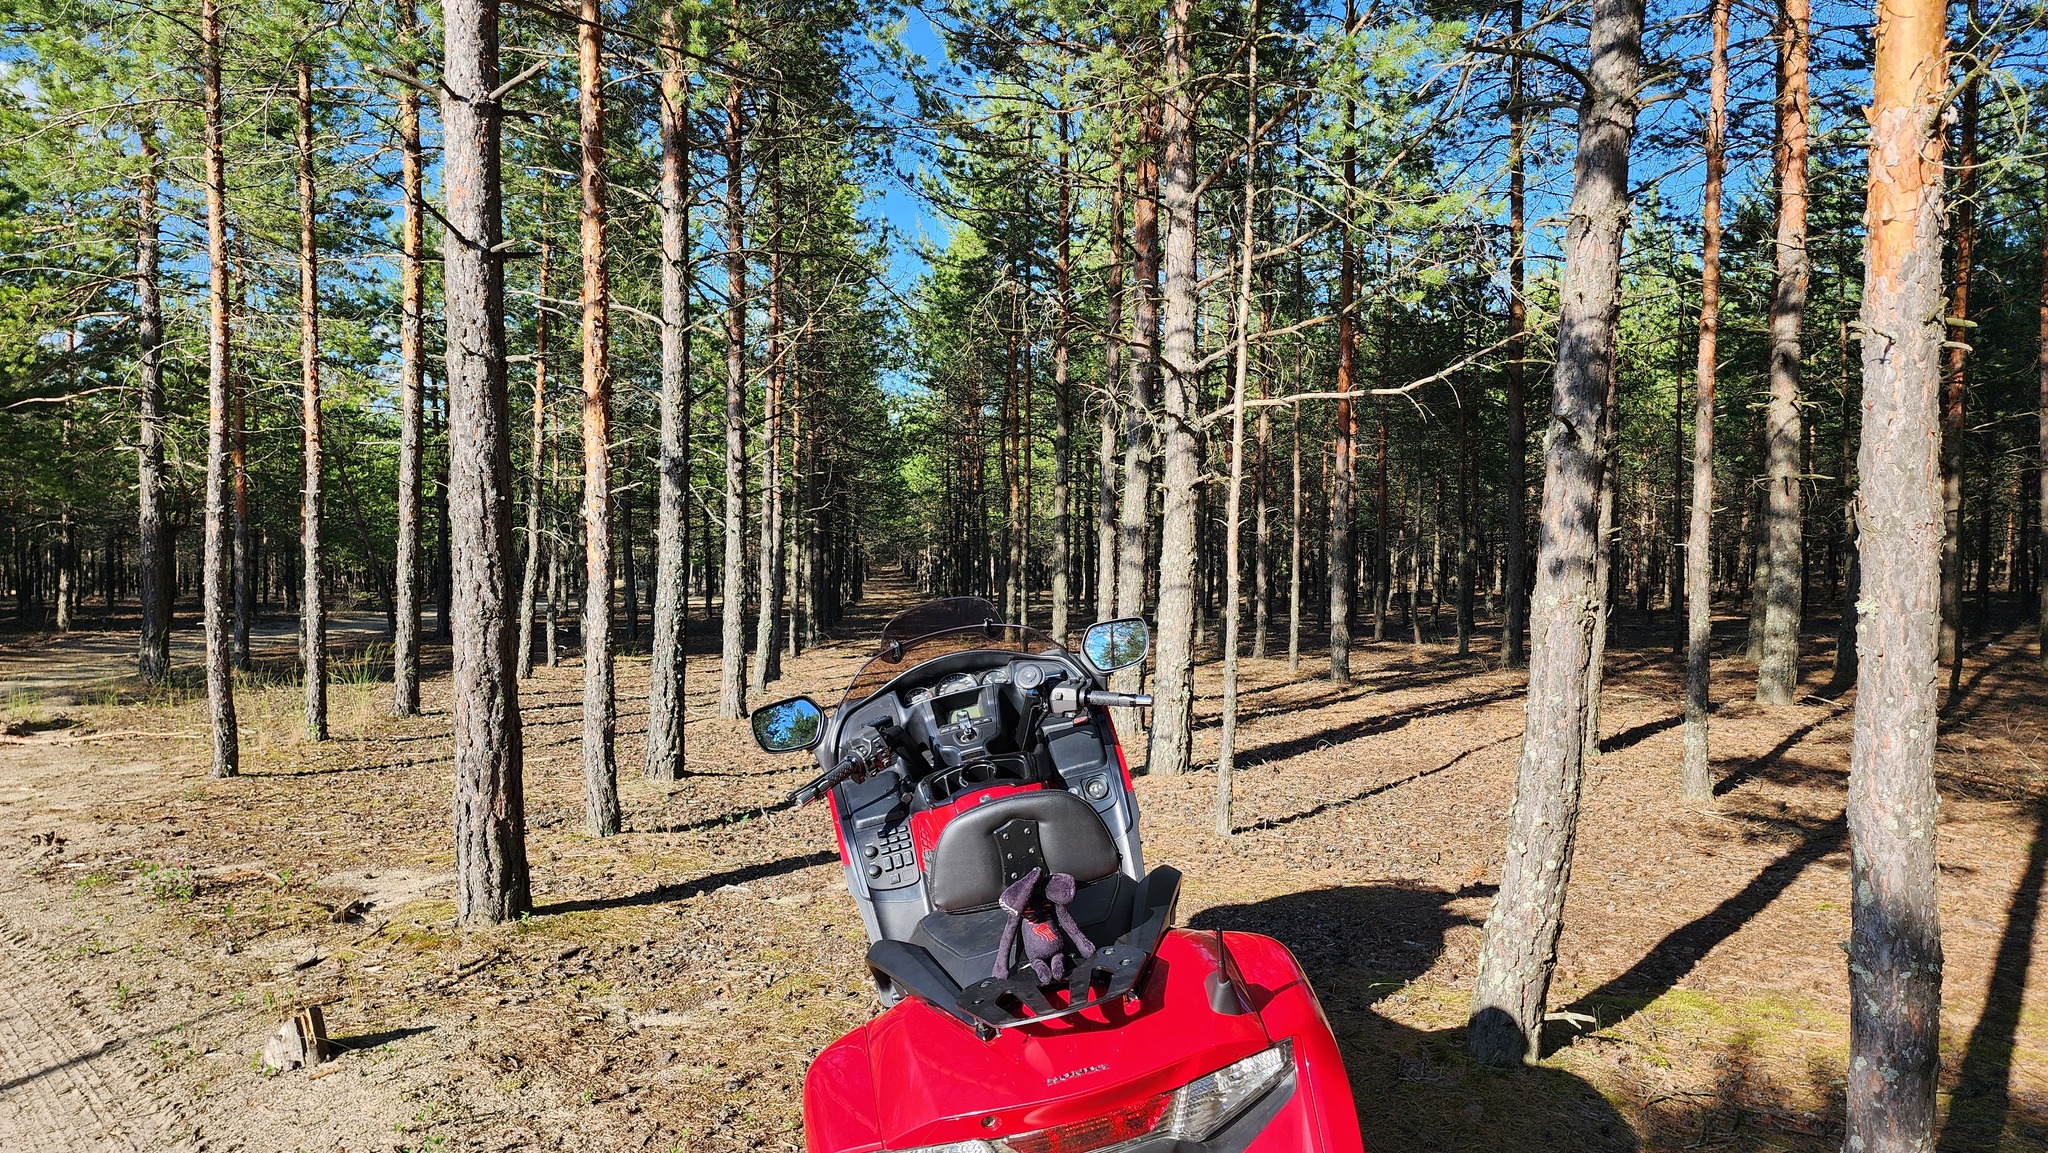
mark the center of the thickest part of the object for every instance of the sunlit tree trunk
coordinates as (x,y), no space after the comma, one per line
(600,708)
(732,694)
(1696,778)
(1173,713)
(1895,928)
(1110,415)
(1294,554)
(490,802)
(1519,947)
(312,604)
(1782,572)
(220,679)
(405,648)
(767,664)
(1233,512)
(1135,514)
(2041,470)
(529,581)
(667,668)
(153,528)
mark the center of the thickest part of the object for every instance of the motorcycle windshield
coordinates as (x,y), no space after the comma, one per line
(900,656)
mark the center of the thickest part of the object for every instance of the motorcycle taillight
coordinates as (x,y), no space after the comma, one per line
(1114,1128)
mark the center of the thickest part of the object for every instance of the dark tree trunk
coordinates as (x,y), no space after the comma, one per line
(1514,616)
(1173,713)
(529,581)
(220,677)
(732,695)
(1519,949)
(1062,397)
(600,708)
(312,602)
(1782,571)
(1957,373)
(666,672)
(405,648)
(153,528)
(1696,776)
(2041,466)
(1112,366)
(1343,427)
(490,805)
(1895,928)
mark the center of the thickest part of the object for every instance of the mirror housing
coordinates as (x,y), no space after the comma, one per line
(1117,644)
(788,726)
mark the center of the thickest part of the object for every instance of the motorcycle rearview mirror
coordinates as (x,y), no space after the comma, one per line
(788,726)
(1117,644)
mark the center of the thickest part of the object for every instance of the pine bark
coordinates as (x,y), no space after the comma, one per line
(1515,613)
(1894,944)
(405,647)
(1519,947)
(732,695)
(767,664)
(1062,396)
(2041,466)
(1233,512)
(220,678)
(491,883)
(1956,377)
(1696,777)
(529,580)
(667,668)
(1110,415)
(600,707)
(1173,712)
(1781,573)
(1343,427)
(153,527)
(312,603)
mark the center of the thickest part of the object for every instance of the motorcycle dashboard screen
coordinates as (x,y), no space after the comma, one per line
(961,709)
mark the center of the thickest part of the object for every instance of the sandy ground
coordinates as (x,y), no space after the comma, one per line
(673,982)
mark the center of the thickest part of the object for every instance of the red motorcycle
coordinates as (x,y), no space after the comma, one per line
(1038,998)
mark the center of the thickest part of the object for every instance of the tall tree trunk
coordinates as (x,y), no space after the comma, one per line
(1895,928)
(1294,554)
(1062,397)
(1233,512)
(1468,542)
(1514,615)
(312,603)
(667,669)
(1134,516)
(220,678)
(1343,461)
(405,647)
(153,527)
(1173,713)
(490,801)
(600,707)
(1603,565)
(732,695)
(2041,469)
(241,562)
(1519,949)
(767,664)
(529,581)
(1963,219)
(1112,364)
(1696,776)
(1777,674)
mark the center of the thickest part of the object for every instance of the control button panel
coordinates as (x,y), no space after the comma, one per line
(889,860)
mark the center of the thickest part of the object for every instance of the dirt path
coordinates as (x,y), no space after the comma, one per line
(85,662)
(674,981)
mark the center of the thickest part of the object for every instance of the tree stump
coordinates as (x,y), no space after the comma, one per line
(300,1042)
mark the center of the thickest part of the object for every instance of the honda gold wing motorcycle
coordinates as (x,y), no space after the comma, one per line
(1038,997)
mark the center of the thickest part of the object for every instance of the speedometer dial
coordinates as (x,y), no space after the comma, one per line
(999,675)
(958,682)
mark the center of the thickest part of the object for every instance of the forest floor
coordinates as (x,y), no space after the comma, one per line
(668,990)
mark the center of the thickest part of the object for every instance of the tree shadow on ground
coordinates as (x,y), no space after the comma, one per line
(1371,791)
(1981,1112)
(1416,1089)
(683,891)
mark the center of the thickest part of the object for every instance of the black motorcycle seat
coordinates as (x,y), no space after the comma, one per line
(965,944)
(966,870)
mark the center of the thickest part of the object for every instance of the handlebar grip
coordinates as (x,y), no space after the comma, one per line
(821,784)
(1103,699)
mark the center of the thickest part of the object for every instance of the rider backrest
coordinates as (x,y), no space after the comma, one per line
(985,848)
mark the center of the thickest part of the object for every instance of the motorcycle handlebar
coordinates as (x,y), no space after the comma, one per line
(1101,698)
(823,783)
